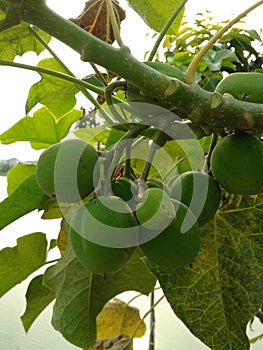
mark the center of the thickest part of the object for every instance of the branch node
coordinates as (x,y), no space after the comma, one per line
(171,88)
(216,100)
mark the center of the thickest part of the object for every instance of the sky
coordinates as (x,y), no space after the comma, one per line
(15,83)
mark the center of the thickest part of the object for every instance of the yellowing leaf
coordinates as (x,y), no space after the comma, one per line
(19,40)
(118,318)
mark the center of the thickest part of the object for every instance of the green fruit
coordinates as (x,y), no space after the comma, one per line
(143,103)
(243,86)
(103,234)
(198,191)
(124,188)
(156,183)
(156,211)
(237,164)
(66,170)
(178,244)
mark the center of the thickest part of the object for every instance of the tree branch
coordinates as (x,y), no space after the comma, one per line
(189,101)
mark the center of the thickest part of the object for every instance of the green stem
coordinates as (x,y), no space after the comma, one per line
(80,83)
(114,23)
(165,28)
(118,151)
(56,74)
(148,163)
(67,70)
(108,96)
(189,78)
(213,109)
(212,145)
(144,317)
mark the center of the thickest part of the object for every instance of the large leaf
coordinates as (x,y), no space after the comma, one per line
(18,40)
(56,94)
(218,294)
(80,296)
(155,13)
(41,130)
(22,201)
(17,263)
(38,297)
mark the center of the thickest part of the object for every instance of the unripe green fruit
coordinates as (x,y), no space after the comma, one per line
(156,183)
(156,211)
(102,222)
(237,164)
(124,188)
(247,86)
(175,247)
(198,191)
(66,170)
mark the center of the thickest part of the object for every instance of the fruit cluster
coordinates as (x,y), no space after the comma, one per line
(164,221)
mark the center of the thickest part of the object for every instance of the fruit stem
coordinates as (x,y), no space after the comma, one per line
(165,28)
(67,70)
(153,147)
(206,167)
(127,168)
(189,78)
(114,23)
(108,96)
(144,316)
(116,154)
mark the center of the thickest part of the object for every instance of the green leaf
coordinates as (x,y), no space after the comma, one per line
(17,175)
(80,296)
(93,136)
(17,263)
(41,130)
(19,40)
(155,13)
(56,94)
(38,297)
(222,289)
(22,201)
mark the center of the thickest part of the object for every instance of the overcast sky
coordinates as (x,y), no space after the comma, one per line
(15,83)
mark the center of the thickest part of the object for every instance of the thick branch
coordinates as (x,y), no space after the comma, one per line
(190,101)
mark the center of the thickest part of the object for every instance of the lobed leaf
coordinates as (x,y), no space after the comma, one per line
(38,297)
(219,293)
(56,94)
(41,130)
(18,40)
(80,296)
(18,262)
(21,202)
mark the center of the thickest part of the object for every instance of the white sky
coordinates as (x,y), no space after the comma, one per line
(15,83)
